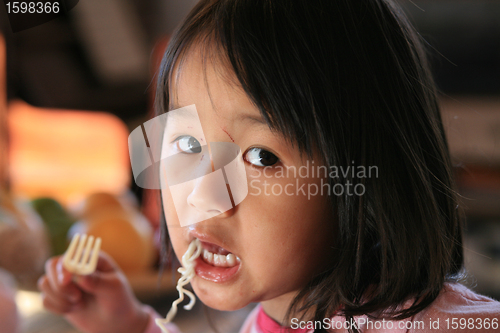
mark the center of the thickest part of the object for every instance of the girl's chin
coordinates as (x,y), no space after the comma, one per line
(218,297)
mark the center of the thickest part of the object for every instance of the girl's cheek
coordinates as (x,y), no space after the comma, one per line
(176,238)
(172,222)
(168,208)
(277,182)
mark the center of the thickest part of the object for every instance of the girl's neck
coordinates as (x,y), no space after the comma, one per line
(277,308)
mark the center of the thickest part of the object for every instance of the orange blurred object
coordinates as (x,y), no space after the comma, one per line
(3,113)
(100,202)
(66,154)
(126,234)
(127,238)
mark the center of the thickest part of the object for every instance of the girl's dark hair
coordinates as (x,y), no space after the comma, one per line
(350,80)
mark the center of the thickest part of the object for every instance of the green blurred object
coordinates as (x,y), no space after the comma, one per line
(57,220)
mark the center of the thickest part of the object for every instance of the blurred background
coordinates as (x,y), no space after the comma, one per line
(87,78)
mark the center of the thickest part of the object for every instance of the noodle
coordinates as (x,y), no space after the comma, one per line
(187,271)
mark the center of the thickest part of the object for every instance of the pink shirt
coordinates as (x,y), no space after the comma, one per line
(456,310)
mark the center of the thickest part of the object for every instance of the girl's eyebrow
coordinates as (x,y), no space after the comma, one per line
(242,117)
(246,117)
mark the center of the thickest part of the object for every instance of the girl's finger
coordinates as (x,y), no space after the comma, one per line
(60,282)
(63,276)
(106,264)
(54,303)
(45,287)
(51,273)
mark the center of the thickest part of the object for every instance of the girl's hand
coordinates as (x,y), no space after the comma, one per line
(100,302)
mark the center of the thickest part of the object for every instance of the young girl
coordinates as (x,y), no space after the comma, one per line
(374,244)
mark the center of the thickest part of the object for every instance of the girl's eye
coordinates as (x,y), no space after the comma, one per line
(188,144)
(260,157)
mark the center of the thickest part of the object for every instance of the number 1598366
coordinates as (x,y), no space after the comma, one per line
(22,7)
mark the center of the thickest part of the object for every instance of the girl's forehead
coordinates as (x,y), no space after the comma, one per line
(209,82)
(204,63)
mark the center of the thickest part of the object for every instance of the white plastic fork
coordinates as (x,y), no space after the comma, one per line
(77,259)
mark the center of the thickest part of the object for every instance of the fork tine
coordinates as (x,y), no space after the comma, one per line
(86,254)
(82,254)
(95,254)
(90,267)
(71,249)
(79,250)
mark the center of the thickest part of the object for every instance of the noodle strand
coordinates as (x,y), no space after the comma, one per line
(188,273)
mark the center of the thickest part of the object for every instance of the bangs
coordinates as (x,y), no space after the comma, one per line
(228,37)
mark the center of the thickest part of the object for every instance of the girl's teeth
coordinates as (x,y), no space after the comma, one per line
(208,256)
(220,260)
(230,259)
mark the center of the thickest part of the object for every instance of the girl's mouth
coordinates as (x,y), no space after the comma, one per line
(216,264)
(219,260)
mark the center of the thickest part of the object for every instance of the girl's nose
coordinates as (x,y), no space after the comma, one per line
(211,195)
